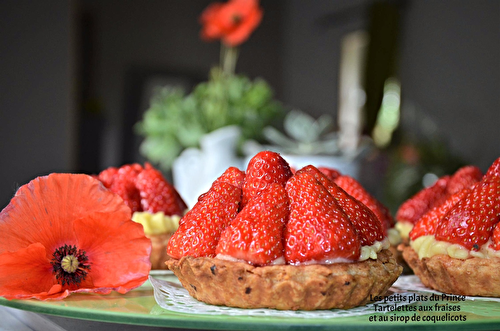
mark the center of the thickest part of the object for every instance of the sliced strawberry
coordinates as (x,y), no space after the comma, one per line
(463,178)
(123,184)
(318,231)
(107,176)
(494,170)
(233,176)
(200,229)
(354,188)
(415,207)
(330,173)
(471,221)
(263,169)
(429,222)
(365,222)
(157,194)
(256,234)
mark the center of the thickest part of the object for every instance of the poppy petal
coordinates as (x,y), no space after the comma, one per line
(119,255)
(69,210)
(23,275)
(211,30)
(48,204)
(243,31)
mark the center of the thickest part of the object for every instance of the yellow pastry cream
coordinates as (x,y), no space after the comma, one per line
(428,246)
(394,236)
(404,228)
(370,252)
(157,223)
(367,252)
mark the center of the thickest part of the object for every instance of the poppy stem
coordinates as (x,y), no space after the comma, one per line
(228,59)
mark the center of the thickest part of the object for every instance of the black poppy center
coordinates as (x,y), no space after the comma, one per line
(236,19)
(70,265)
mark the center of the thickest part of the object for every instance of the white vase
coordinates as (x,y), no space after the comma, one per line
(346,166)
(195,169)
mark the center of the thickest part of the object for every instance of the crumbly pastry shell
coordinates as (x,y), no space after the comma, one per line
(473,277)
(286,287)
(159,255)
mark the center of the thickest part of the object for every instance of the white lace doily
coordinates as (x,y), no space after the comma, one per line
(174,297)
(413,283)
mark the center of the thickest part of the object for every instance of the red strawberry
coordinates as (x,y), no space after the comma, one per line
(107,176)
(354,188)
(496,238)
(256,234)
(494,170)
(463,178)
(200,229)
(429,222)
(330,173)
(415,207)
(123,184)
(318,230)
(233,176)
(366,223)
(157,194)
(263,169)
(471,221)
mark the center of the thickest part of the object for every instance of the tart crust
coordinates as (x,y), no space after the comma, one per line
(286,287)
(473,276)
(159,255)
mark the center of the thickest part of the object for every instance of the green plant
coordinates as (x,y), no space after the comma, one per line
(304,134)
(176,120)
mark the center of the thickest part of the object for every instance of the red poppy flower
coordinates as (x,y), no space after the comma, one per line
(232,22)
(65,233)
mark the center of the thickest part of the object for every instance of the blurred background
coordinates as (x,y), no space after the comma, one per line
(77,75)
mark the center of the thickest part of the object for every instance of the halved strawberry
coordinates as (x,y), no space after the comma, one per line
(429,222)
(200,229)
(494,170)
(415,207)
(233,176)
(495,237)
(354,188)
(471,221)
(330,173)
(263,169)
(157,194)
(463,178)
(365,222)
(318,230)
(256,234)
(107,176)
(123,184)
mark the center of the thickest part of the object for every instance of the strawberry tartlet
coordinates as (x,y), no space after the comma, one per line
(268,238)
(455,246)
(154,202)
(433,196)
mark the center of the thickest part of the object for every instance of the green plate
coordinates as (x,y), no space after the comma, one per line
(139,307)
